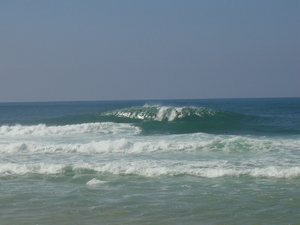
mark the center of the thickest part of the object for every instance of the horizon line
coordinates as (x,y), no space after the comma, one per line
(124,100)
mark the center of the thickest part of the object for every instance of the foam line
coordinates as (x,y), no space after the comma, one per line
(138,144)
(154,169)
(43,130)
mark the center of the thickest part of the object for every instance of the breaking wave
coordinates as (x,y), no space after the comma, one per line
(44,130)
(199,142)
(155,119)
(148,168)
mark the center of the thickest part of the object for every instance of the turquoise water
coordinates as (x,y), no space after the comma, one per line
(233,161)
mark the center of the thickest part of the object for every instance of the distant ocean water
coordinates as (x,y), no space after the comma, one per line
(227,161)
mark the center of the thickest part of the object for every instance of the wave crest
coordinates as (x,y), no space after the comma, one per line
(163,113)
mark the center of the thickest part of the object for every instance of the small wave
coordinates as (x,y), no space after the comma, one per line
(244,144)
(38,168)
(43,130)
(122,145)
(200,169)
(199,142)
(148,168)
(93,147)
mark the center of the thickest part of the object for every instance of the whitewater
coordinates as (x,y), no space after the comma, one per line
(228,161)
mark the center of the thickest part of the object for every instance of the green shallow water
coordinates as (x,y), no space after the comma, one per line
(110,199)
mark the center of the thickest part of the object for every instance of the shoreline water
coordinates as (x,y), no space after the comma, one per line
(112,163)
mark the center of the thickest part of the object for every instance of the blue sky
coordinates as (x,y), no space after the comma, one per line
(157,49)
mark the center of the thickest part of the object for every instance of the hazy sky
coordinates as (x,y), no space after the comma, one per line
(157,49)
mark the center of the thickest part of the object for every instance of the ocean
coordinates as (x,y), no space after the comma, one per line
(210,162)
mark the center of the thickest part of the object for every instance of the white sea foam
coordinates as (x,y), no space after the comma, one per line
(95,181)
(169,113)
(43,130)
(276,172)
(24,168)
(50,150)
(202,169)
(122,145)
(149,168)
(140,144)
(244,144)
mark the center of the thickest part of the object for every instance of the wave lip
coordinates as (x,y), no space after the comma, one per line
(161,113)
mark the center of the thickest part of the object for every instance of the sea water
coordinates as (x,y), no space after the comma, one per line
(227,161)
